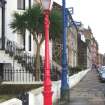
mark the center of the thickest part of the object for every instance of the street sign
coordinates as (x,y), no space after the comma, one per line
(77,23)
(71,10)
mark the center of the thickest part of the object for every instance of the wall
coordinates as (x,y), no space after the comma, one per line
(72,46)
(13,101)
(1,23)
(42,50)
(88,58)
(9,12)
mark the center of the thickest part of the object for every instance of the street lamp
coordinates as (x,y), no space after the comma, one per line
(47,92)
(64,82)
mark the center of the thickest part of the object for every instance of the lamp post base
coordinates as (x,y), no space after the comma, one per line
(47,98)
(65,94)
(65,89)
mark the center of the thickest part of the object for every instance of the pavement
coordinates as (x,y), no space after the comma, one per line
(89,91)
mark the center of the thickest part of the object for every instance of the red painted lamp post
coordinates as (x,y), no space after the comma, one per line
(47,92)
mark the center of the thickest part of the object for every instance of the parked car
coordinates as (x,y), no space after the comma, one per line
(101,69)
(98,69)
(102,74)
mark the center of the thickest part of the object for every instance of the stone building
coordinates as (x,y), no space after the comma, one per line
(72,45)
(94,52)
(84,47)
(104,59)
(100,59)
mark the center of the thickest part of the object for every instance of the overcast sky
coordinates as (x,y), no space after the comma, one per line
(92,13)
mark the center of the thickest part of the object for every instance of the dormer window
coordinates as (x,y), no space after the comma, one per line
(21,4)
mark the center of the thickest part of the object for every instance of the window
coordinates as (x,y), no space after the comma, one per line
(24,39)
(0,4)
(21,4)
(30,42)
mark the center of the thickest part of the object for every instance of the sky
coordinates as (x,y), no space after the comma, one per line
(90,13)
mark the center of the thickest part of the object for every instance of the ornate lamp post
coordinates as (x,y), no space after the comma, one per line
(47,92)
(64,83)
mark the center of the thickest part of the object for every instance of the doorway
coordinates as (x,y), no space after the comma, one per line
(1,71)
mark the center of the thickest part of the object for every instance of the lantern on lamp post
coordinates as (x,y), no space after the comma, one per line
(47,92)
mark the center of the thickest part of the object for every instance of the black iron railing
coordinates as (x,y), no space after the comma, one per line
(18,75)
(21,75)
(24,58)
(27,62)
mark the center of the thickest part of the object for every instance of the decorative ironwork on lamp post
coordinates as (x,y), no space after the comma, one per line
(64,80)
(47,92)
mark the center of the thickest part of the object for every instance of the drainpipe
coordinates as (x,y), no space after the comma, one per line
(3,24)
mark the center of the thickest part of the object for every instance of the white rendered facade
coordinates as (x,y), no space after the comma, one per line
(6,61)
(15,36)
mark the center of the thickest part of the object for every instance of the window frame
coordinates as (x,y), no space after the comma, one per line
(21,6)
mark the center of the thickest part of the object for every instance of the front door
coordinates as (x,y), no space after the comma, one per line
(1,71)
